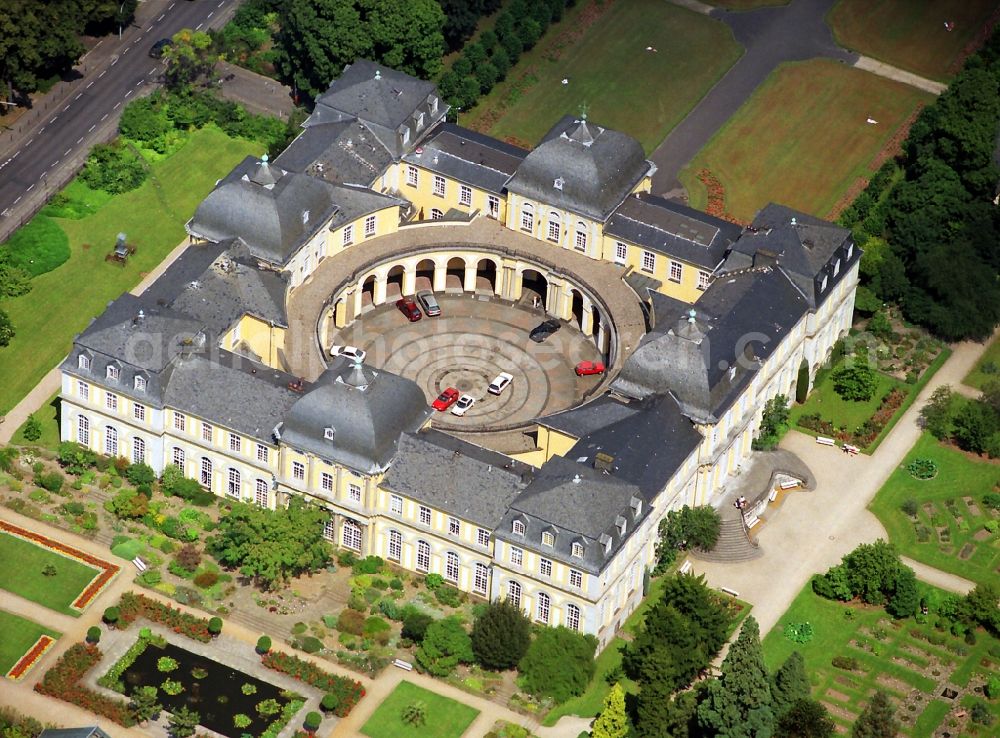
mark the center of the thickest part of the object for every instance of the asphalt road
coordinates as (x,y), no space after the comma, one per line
(53,148)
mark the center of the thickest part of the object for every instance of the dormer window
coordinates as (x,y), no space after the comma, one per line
(607,541)
(83,362)
(434,104)
(636,506)
(113,373)
(405,133)
(850,251)
(305,217)
(558,183)
(577,549)
(140,384)
(836,267)
(548,539)
(420,121)
(328,434)
(822,285)
(517,528)
(621,524)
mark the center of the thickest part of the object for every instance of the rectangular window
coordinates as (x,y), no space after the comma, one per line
(262,454)
(648,261)
(451,568)
(621,252)
(465,195)
(235,443)
(326,482)
(439,185)
(111,402)
(395,546)
(83,430)
(348,235)
(545,567)
(454,527)
(581,240)
(554,231)
(178,458)
(83,390)
(548,539)
(483,537)
(206,432)
(396,505)
(493,206)
(113,373)
(329,530)
(350,535)
(423,556)
(298,470)
(206,473)
(412,177)
(481,579)
(575,578)
(261,493)
(527,220)
(676,271)
(369,226)
(139,412)
(516,556)
(425,515)
(140,384)
(178,422)
(572,617)
(354,493)
(703,278)
(233,488)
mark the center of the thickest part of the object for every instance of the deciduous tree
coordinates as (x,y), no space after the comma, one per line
(188,60)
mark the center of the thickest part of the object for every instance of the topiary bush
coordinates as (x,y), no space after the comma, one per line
(312,721)
(263,644)
(111,615)
(93,634)
(215,625)
(330,702)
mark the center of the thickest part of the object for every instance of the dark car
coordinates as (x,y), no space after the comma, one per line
(544,330)
(156,51)
(408,307)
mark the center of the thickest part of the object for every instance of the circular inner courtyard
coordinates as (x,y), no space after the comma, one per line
(467,346)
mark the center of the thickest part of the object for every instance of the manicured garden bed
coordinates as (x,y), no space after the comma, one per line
(987,368)
(948,529)
(445,718)
(19,635)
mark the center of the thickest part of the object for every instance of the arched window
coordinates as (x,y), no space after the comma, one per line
(423,556)
(514,593)
(206,472)
(451,567)
(542,608)
(436,214)
(138,450)
(178,458)
(572,617)
(261,493)
(395,545)
(480,581)
(581,236)
(554,227)
(527,217)
(233,487)
(110,441)
(351,535)
(83,430)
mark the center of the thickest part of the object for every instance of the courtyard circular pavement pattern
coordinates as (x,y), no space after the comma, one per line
(466,347)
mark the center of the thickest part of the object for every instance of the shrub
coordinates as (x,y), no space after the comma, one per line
(312,721)
(63,681)
(215,625)
(188,557)
(368,565)
(165,664)
(396,584)
(799,632)
(373,626)
(415,626)
(992,688)
(855,381)
(93,634)
(206,579)
(140,474)
(263,644)
(351,621)
(981,714)
(448,596)
(559,664)
(501,635)
(32,428)
(992,500)
(330,702)
(51,481)
(310,644)
(847,663)
(390,609)
(241,721)
(909,507)
(446,644)
(111,615)
(113,168)
(248,689)
(433,581)
(922,468)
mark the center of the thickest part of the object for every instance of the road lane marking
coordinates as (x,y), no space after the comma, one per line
(138,83)
(118,105)
(128,93)
(211,14)
(54,119)
(80,140)
(161,16)
(42,129)
(67,107)
(66,152)
(198,27)
(29,143)
(78,96)
(17,200)
(221,4)
(126,50)
(91,128)
(30,188)
(102,74)
(104,116)
(171,6)
(15,155)
(91,84)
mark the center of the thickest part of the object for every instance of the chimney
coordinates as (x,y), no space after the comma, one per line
(604,462)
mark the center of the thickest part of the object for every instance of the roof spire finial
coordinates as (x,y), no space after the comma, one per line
(691,315)
(264,159)
(583,112)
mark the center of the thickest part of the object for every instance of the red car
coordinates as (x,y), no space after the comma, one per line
(445,400)
(586,368)
(408,307)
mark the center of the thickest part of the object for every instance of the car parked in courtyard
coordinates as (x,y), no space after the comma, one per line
(543,330)
(350,352)
(429,303)
(588,368)
(445,400)
(498,385)
(408,307)
(461,407)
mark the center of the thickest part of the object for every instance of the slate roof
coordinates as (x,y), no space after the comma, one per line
(575,503)
(88,732)
(341,151)
(676,230)
(597,168)
(455,476)
(467,156)
(368,410)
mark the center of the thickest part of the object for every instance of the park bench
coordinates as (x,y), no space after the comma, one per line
(405,665)
(140,564)
(729,591)
(790,484)
(685,567)
(824,441)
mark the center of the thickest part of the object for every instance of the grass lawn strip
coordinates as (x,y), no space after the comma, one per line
(893,656)
(991,360)
(446,718)
(48,416)
(20,637)
(802,151)
(62,301)
(909,34)
(948,532)
(610,73)
(32,552)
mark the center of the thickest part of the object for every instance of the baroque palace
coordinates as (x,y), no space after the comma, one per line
(219,366)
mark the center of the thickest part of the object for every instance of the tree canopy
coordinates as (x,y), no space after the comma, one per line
(877,720)
(446,644)
(612,722)
(559,663)
(501,635)
(689,527)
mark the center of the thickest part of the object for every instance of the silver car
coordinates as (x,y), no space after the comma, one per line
(429,303)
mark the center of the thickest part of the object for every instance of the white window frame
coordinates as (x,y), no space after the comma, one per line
(572,616)
(370,226)
(111,401)
(648,262)
(298,470)
(555,229)
(330,530)
(83,430)
(206,472)
(207,432)
(543,607)
(493,206)
(527,218)
(178,457)
(110,441)
(235,443)
(423,560)
(437,214)
(481,578)
(454,526)
(676,271)
(354,493)
(395,504)
(516,556)
(326,482)
(348,237)
(234,483)
(83,362)
(452,567)
(394,547)
(83,390)
(483,537)
(621,252)
(262,453)
(545,567)
(180,421)
(139,383)
(113,373)
(139,412)
(577,549)
(262,493)
(350,534)
(138,450)
(575,579)
(517,527)
(440,185)
(703,279)
(580,237)
(425,515)
(548,539)
(514,593)
(464,195)
(412,176)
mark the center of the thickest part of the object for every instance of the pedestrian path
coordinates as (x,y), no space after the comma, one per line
(900,75)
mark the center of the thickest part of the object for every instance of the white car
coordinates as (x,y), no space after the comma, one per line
(462,406)
(498,385)
(351,352)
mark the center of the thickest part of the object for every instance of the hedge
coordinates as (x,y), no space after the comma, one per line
(347,691)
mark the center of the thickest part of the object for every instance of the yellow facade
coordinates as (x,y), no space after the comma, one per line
(433,194)
(262,338)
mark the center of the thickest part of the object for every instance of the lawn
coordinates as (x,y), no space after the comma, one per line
(22,574)
(445,717)
(746,4)
(948,531)
(908,660)
(911,34)
(18,636)
(601,50)
(48,416)
(987,368)
(823,399)
(802,139)
(63,301)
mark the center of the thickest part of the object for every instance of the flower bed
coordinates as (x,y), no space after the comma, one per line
(133,606)
(112,678)
(347,691)
(108,571)
(43,644)
(62,681)
(922,469)
(866,433)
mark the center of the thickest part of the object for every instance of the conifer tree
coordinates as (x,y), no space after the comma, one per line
(878,719)
(790,684)
(612,722)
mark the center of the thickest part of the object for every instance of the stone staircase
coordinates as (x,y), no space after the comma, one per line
(733,545)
